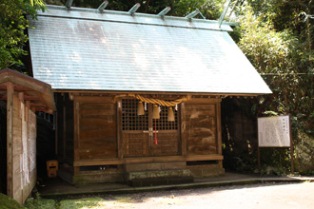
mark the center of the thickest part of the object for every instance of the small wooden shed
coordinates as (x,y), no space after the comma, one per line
(105,65)
(24,96)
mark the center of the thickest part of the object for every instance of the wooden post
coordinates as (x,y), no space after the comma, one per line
(292,157)
(291,147)
(119,130)
(64,126)
(219,138)
(56,127)
(10,92)
(183,130)
(258,158)
(258,150)
(76,169)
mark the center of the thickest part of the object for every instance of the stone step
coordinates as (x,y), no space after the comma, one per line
(159,177)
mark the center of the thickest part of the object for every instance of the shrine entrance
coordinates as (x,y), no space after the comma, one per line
(144,136)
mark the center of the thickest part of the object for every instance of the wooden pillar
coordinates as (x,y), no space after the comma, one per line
(119,130)
(76,142)
(219,138)
(10,92)
(64,126)
(183,130)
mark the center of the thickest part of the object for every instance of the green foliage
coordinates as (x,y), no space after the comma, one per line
(13,23)
(38,202)
(42,204)
(280,47)
(283,55)
(305,153)
(209,8)
(8,203)
(91,202)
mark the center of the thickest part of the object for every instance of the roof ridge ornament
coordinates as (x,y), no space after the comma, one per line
(223,14)
(102,7)
(68,4)
(163,12)
(193,14)
(134,9)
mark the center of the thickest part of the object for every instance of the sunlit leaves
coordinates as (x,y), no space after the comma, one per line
(13,23)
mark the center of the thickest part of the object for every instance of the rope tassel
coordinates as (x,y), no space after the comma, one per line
(156,112)
(171,116)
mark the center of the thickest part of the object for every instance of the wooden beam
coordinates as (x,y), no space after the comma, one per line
(102,99)
(204,157)
(203,100)
(28,85)
(97,162)
(116,161)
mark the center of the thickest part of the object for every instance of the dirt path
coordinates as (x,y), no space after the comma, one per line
(286,196)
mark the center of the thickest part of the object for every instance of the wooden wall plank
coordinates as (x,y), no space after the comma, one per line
(200,126)
(32,130)
(135,144)
(17,151)
(10,92)
(96,131)
(167,144)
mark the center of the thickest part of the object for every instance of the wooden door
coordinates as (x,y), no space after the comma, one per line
(144,136)
(96,138)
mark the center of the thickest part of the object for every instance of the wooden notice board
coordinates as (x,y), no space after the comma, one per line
(274,131)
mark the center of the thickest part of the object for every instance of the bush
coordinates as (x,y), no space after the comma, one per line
(8,203)
(304,150)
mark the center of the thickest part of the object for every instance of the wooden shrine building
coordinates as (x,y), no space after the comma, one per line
(138,95)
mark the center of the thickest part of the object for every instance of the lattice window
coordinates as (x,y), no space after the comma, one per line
(163,123)
(130,119)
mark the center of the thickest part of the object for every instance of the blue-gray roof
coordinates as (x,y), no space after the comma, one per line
(82,49)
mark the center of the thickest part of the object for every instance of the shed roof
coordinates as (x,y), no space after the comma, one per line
(82,49)
(39,94)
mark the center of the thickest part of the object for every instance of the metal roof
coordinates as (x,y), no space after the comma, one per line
(82,49)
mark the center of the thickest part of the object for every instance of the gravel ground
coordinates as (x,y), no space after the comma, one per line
(276,196)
